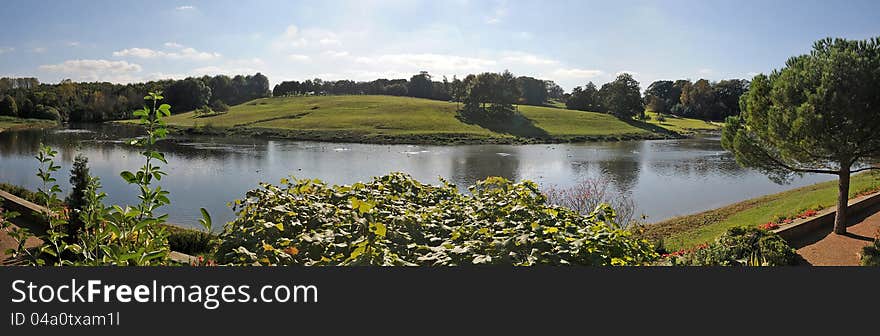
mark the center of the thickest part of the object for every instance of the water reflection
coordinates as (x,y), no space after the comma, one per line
(665,178)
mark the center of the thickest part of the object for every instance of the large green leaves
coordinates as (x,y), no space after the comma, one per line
(395,220)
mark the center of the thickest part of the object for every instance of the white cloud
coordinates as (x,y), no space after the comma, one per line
(39,50)
(329,41)
(95,70)
(232,67)
(139,52)
(705,71)
(429,62)
(751,75)
(162,75)
(4,50)
(73,44)
(185,8)
(184,53)
(173,45)
(298,58)
(529,59)
(293,37)
(625,71)
(576,73)
(332,53)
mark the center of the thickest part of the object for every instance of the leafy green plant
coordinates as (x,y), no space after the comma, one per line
(395,220)
(190,241)
(871,253)
(76,201)
(740,247)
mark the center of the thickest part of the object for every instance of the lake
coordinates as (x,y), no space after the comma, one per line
(665,178)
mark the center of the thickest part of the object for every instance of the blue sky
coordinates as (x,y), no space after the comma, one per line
(571,42)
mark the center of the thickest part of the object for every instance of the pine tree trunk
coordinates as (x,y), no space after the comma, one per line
(842,201)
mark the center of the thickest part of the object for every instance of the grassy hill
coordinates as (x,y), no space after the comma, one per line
(388,119)
(682,125)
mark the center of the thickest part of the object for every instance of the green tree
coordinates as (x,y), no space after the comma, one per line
(8,106)
(622,97)
(727,94)
(189,94)
(585,99)
(699,99)
(661,96)
(818,114)
(420,85)
(534,91)
(78,200)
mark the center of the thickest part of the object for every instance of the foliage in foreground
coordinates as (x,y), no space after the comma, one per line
(871,253)
(395,220)
(104,235)
(739,246)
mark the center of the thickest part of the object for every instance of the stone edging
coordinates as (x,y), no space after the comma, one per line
(825,218)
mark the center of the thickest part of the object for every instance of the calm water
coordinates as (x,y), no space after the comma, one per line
(665,178)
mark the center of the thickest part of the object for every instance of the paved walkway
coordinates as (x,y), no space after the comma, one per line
(830,249)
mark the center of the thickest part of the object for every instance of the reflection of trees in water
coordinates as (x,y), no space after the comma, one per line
(721,164)
(22,142)
(474,163)
(623,172)
(108,140)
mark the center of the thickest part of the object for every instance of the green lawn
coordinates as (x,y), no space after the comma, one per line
(563,123)
(688,231)
(682,125)
(7,122)
(370,118)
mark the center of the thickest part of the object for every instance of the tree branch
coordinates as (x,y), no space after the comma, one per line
(863,169)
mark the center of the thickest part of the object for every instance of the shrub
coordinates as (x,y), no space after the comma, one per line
(871,253)
(741,247)
(587,194)
(77,200)
(661,117)
(46,112)
(219,106)
(190,241)
(395,220)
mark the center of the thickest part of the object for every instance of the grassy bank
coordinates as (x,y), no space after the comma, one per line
(682,125)
(7,122)
(688,231)
(388,119)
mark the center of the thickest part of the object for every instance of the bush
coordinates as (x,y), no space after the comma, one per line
(871,253)
(587,194)
(46,112)
(660,117)
(395,220)
(741,247)
(190,241)
(219,106)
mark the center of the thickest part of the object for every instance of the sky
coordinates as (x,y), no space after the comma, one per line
(570,42)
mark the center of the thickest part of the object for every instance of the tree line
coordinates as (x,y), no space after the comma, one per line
(531,91)
(701,99)
(70,101)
